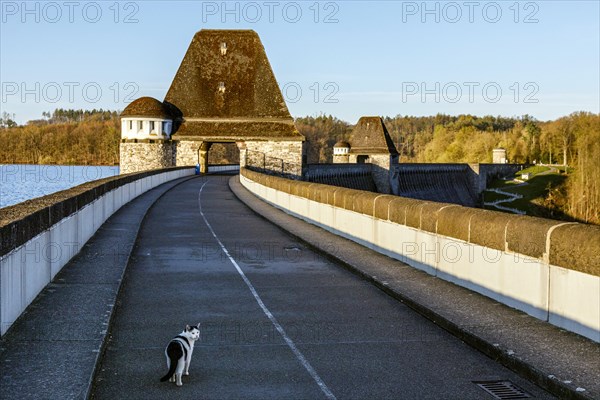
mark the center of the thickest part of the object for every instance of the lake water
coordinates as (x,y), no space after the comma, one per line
(20,182)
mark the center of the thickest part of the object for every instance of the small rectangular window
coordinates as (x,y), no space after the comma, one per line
(130,125)
(151,126)
(141,125)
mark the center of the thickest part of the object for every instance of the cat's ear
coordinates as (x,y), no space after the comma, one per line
(187,328)
(198,326)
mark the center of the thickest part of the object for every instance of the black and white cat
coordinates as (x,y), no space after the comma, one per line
(179,354)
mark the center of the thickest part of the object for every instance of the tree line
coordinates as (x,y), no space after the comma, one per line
(572,140)
(91,137)
(66,137)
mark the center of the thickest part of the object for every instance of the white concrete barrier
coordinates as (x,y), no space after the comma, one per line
(223,168)
(27,269)
(564,297)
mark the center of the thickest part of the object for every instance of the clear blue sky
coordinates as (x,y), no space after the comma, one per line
(365,58)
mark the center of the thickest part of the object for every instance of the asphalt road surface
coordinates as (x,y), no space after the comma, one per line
(279,321)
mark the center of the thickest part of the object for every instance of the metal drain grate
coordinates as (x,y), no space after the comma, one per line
(503,390)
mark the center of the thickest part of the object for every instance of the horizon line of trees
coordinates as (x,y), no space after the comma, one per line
(572,140)
(67,137)
(91,137)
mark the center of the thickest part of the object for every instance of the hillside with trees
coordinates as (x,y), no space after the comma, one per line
(66,137)
(572,140)
(92,138)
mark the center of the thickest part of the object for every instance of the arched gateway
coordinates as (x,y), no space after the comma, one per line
(224,92)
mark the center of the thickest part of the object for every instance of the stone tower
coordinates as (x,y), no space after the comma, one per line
(499,156)
(145,136)
(225,92)
(371,143)
(341,152)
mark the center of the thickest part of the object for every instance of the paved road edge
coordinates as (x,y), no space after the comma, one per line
(166,187)
(527,370)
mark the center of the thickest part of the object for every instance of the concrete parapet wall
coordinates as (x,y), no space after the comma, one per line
(38,237)
(548,269)
(223,167)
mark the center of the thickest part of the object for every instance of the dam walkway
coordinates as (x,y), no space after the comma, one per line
(280,319)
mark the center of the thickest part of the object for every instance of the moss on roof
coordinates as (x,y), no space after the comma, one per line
(147,107)
(248,89)
(341,143)
(371,136)
(231,130)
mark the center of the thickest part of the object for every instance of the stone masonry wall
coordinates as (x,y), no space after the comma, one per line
(185,153)
(135,157)
(277,156)
(381,172)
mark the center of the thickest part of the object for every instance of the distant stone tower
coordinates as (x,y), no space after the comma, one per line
(499,156)
(145,136)
(223,92)
(371,143)
(341,152)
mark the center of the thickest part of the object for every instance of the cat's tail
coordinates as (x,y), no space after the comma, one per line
(174,352)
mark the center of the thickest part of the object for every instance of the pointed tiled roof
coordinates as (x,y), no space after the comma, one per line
(370,136)
(225,87)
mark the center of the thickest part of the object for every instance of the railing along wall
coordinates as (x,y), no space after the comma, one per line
(259,161)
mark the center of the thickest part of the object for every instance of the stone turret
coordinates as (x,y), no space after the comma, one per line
(371,143)
(146,118)
(499,156)
(146,125)
(341,152)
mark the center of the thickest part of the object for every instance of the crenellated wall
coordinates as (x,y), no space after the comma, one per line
(38,237)
(546,268)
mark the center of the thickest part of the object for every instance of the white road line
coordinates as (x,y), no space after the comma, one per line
(271,317)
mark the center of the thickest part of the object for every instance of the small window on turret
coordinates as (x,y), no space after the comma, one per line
(130,125)
(141,125)
(151,126)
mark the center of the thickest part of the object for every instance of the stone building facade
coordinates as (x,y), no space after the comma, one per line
(224,92)
(186,152)
(371,143)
